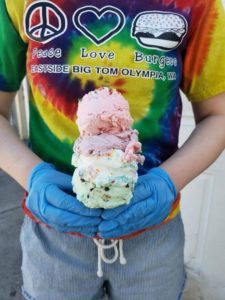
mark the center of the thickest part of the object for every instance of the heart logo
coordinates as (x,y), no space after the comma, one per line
(107,11)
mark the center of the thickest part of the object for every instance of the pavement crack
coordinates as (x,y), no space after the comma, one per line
(10,209)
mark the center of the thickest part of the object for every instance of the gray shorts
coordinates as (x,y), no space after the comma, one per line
(57,266)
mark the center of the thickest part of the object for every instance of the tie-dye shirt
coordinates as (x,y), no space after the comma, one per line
(147,50)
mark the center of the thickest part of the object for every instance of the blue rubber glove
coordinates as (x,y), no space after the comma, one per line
(51,200)
(152,202)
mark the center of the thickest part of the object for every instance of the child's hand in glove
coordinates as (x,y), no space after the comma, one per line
(152,202)
(51,201)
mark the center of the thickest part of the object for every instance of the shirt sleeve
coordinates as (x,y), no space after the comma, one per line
(12,53)
(204,58)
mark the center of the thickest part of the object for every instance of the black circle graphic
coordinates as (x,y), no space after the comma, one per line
(46,31)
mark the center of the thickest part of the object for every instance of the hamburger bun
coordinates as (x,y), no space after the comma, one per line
(159,30)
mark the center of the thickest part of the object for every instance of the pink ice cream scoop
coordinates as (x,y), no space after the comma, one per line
(103,111)
(127,141)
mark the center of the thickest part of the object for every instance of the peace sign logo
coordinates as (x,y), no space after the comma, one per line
(44,21)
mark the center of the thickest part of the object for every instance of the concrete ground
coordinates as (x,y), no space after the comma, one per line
(11,217)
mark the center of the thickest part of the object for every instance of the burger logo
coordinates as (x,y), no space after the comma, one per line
(159,30)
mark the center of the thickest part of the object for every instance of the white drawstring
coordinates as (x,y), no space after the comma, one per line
(101,253)
(123,260)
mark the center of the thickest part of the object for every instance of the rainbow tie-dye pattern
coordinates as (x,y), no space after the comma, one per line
(147,50)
